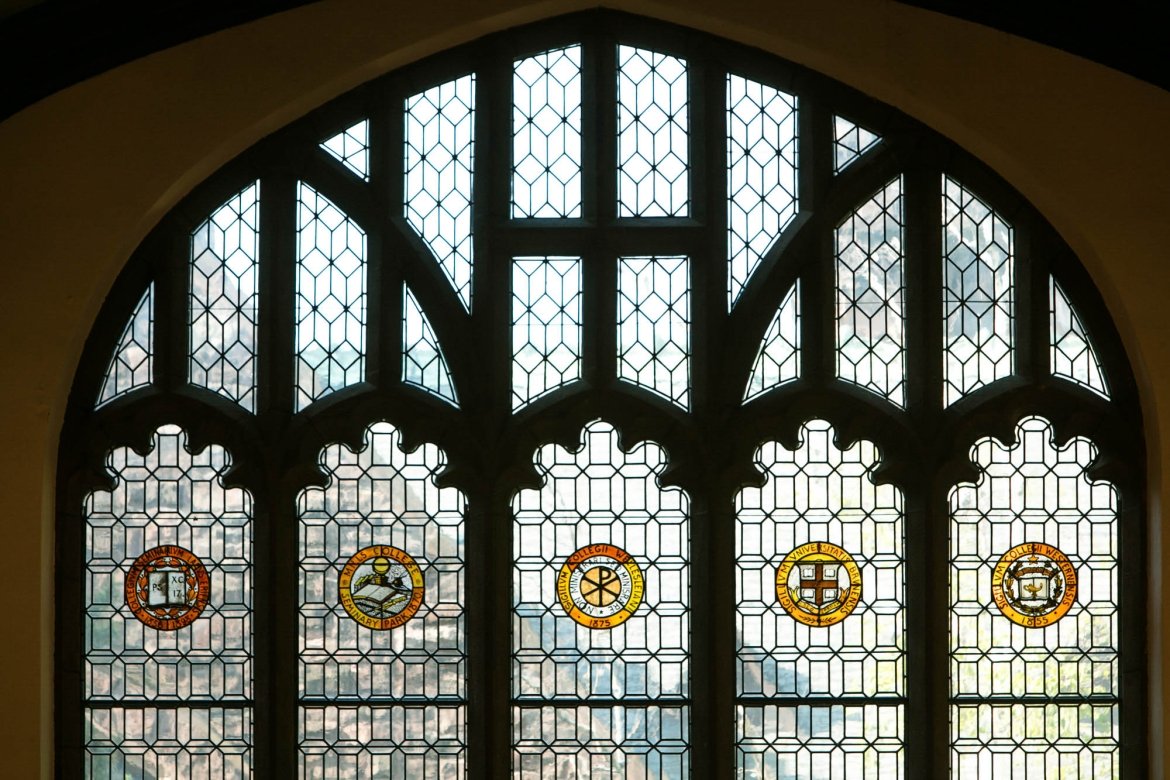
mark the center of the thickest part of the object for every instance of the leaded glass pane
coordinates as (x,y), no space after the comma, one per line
(351,147)
(331,298)
(546,325)
(827,742)
(376,497)
(440,146)
(654,318)
(589,743)
(168,743)
(415,741)
(600,602)
(978,294)
(1071,353)
(132,363)
(1040,739)
(1034,581)
(423,363)
(850,141)
(169,497)
(546,134)
(652,134)
(778,360)
(761,175)
(808,634)
(224,302)
(871,295)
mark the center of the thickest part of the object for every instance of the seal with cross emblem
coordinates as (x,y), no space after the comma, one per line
(818,584)
(600,586)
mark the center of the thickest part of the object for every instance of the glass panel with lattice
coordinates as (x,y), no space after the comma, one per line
(351,147)
(1071,353)
(168,598)
(654,319)
(423,364)
(546,134)
(133,360)
(440,141)
(828,742)
(871,295)
(168,742)
(978,292)
(600,609)
(331,298)
(224,301)
(381,613)
(850,142)
(546,325)
(652,134)
(778,360)
(1034,617)
(821,610)
(583,743)
(761,175)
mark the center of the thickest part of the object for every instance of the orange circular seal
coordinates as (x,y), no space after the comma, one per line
(818,584)
(381,587)
(167,588)
(600,586)
(1034,584)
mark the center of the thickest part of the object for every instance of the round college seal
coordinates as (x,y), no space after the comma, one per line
(600,586)
(818,584)
(167,588)
(381,587)
(1034,584)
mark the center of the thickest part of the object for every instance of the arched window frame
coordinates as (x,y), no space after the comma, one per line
(274,452)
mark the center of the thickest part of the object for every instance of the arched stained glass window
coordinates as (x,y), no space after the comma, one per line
(602,399)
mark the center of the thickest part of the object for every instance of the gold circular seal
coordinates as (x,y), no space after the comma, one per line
(600,586)
(818,584)
(381,587)
(167,588)
(1034,584)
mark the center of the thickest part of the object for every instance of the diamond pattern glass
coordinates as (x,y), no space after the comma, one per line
(652,134)
(978,294)
(224,302)
(381,495)
(546,134)
(1071,353)
(546,326)
(1005,675)
(423,364)
(871,295)
(830,742)
(761,175)
(331,298)
(778,360)
(850,141)
(654,319)
(351,147)
(440,152)
(599,495)
(132,364)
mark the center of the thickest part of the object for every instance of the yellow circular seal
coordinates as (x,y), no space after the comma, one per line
(600,586)
(381,587)
(818,584)
(1034,584)
(167,588)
